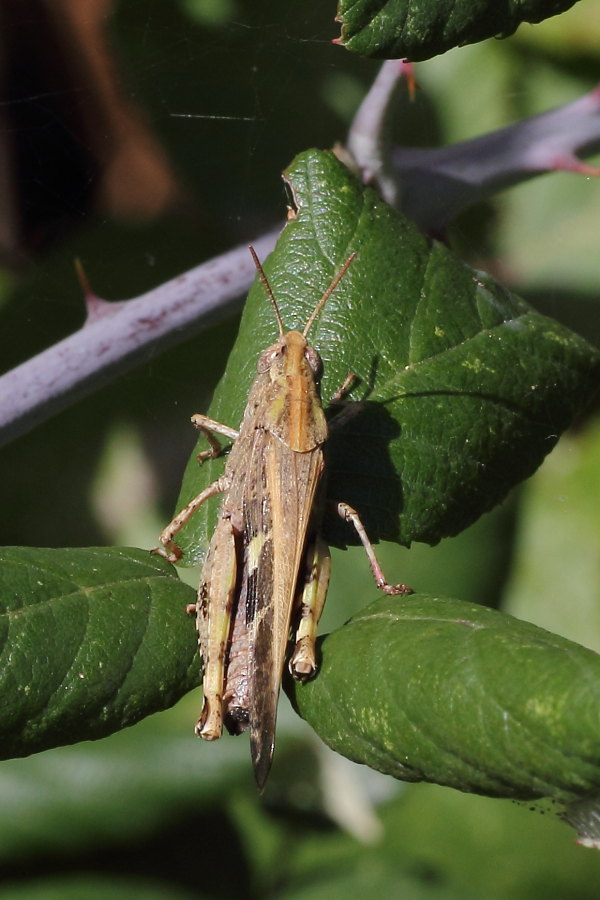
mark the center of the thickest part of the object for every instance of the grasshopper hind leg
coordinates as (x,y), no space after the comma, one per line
(312,594)
(214,606)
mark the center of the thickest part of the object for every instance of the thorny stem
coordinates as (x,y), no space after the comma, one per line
(430,186)
(116,336)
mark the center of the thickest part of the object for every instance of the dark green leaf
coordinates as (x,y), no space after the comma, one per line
(394,29)
(466,387)
(92,640)
(434,689)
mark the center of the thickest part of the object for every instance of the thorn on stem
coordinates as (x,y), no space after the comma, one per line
(95,306)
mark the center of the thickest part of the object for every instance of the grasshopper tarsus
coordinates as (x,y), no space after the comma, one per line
(395,589)
(169,551)
(302,664)
(210,724)
(207,454)
(303,674)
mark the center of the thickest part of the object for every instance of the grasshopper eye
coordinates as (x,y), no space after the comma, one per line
(314,361)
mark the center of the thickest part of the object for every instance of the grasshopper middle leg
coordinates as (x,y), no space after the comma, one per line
(349,514)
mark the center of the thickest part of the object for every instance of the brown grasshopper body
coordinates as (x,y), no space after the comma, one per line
(266,571)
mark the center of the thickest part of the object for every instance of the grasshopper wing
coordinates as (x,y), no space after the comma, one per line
(292,480)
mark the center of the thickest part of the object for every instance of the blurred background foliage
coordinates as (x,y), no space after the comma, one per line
(144,137)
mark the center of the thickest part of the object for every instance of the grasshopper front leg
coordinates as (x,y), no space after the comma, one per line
(170,550)
(208,428)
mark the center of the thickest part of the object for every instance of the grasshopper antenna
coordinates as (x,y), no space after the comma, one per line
(328,294)
(267,287)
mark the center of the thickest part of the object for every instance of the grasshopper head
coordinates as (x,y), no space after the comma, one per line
(289,355)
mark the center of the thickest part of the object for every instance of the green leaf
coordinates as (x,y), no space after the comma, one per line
(92,640)
(434,689)
(465,386)
(394,29)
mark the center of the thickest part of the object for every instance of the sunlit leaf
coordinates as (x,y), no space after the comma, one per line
(402,29)
(434,689)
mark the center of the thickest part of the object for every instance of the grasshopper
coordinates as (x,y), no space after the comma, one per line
(266,572)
